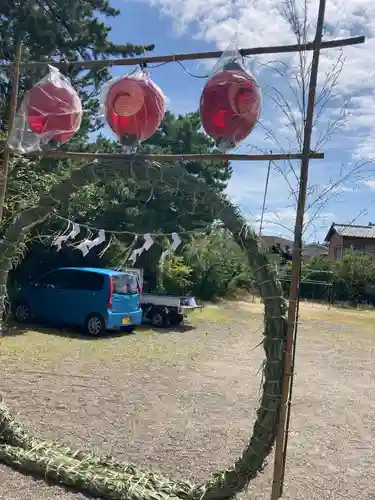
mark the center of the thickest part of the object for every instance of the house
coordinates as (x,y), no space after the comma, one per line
(343,238)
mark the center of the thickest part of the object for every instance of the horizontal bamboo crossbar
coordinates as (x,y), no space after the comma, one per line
(277,49)
(169,158)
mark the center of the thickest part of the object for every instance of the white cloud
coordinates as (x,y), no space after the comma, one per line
(370,183)
(340,188)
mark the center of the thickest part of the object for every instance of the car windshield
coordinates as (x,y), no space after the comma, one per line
(124,284)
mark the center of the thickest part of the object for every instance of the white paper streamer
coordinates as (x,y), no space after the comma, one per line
(144,248)
(58,242)
(135,254)
(148,242)
(86,245)
(176,242)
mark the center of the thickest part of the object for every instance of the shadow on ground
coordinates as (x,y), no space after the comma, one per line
(13,329)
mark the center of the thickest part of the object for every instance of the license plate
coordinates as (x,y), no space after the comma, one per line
(126,321)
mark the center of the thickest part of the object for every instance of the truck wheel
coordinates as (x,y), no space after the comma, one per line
(176,319)
(160,319)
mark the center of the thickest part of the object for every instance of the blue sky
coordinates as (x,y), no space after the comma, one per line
(199,25)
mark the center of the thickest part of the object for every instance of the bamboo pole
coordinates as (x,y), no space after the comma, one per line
(168,158)
(265,196)
(277,49)
(280,451)
(12,114)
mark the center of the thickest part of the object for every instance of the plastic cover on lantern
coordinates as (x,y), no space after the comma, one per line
(133,106)
(50,113)
(230,103)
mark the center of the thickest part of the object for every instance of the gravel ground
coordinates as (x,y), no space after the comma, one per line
(183,403)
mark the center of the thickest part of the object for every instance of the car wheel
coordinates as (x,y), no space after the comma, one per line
(22,312)
(95,325)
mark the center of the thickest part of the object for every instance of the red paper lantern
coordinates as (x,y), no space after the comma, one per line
(230,106)
(134,108)
(54,110)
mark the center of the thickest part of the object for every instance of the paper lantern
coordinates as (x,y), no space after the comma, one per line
(230,106)
(54,110)
(134,108)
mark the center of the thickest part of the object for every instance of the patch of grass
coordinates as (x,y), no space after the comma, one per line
(349,317)
(316,312)
(42,348)
(347,325)
(47,348)
(211,314)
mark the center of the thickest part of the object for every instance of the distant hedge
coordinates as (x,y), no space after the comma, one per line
(351,279)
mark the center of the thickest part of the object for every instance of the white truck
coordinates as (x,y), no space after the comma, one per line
(160,309)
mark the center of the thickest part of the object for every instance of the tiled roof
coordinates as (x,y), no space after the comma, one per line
(354,231)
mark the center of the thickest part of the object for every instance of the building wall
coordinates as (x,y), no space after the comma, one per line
(335,247)
(365,245)
(339,246)
(357,244)
(370,247)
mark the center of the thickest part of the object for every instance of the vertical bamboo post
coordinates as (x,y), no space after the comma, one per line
(280,450)
(265,196)
(12,113)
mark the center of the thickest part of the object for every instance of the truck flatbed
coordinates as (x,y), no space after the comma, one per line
(161,309)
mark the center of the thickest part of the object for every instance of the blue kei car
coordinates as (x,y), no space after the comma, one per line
(95,299)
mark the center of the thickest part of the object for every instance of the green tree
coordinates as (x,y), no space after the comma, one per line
(352,278)
(183,134)
(175,276)
(355,278)
(219,265)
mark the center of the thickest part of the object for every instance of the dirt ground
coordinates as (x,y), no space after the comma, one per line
(183,402)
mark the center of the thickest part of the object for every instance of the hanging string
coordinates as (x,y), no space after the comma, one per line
(91,229)
(154,66)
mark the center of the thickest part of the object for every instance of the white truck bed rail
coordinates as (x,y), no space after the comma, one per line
(160,299)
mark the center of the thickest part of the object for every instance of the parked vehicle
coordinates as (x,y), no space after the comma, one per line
(160,309)
(96,299)
(164,310)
